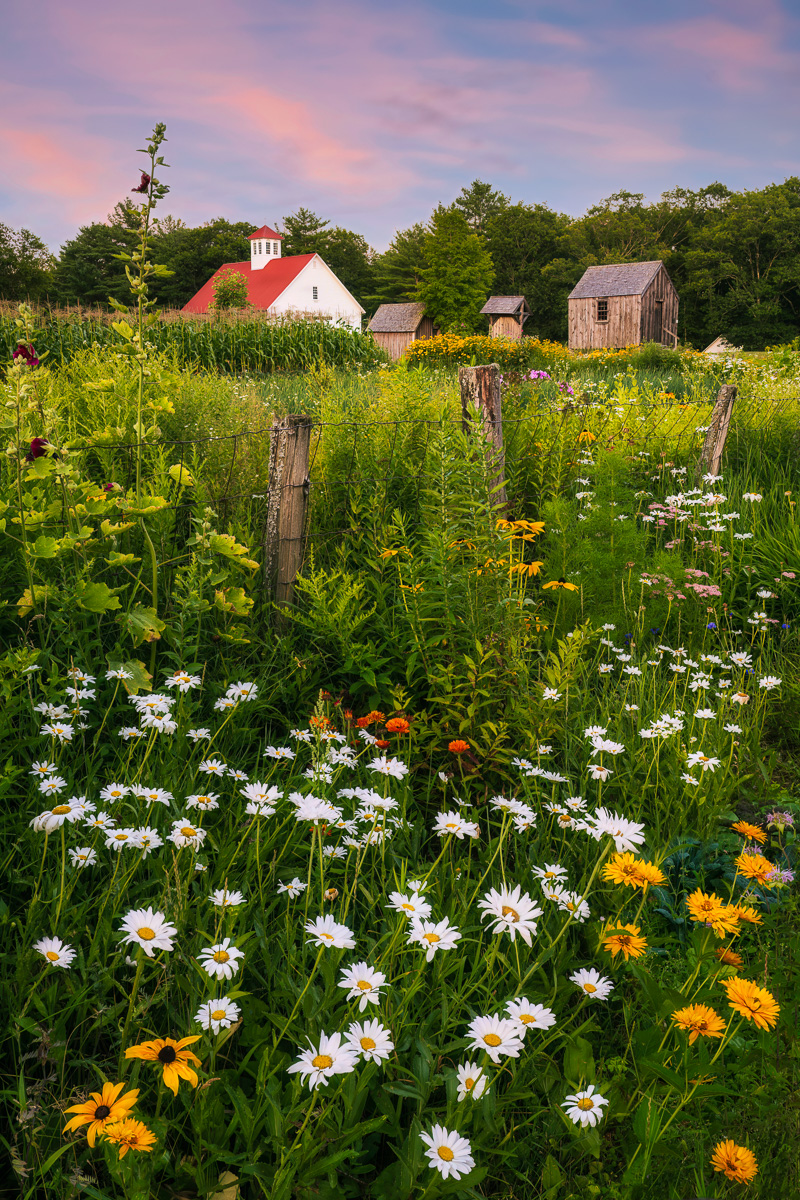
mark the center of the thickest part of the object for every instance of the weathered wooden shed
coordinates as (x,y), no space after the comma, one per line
(507,315)
(623,304)
(396,326)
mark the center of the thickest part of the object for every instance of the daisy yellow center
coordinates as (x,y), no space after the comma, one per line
(322,1062)
(221,956)
(492,1039)
(364,985)
(446,1153)
(146,933)
(451,825)
(188,831)
(60,810)
(51,954)
(549,874)
(116,794)
(589,987)
(367,1043)
(469,1084)
(219,1014)
(410,907)
(526,1018)
(571,906)
(120,837)
(329,936)
(510,912)
(431,937)
(585,1104)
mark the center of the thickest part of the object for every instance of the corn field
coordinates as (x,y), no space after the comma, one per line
(227,345)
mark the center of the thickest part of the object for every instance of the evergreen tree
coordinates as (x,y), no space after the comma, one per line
(397,272)
(457,273)
(304,233)
(480,204)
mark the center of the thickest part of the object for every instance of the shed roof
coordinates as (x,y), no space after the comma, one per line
(264,286)
(617,279)
(397,318)
(266,232)
(503,305)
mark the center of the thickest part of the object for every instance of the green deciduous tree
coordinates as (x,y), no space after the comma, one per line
(457,272)
(522,240)
(230,290)
(26,265)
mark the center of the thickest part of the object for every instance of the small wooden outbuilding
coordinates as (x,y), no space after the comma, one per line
(396,326)
(507,315)
(623,304)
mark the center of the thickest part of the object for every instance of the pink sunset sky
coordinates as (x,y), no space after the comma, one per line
(370,113)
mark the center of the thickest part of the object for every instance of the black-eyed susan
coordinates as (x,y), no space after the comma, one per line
(560,583)
(736,1162)
(130,1135)
(101,1109)
(173,1058)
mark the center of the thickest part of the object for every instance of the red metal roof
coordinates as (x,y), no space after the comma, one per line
(264,286)
(266,232)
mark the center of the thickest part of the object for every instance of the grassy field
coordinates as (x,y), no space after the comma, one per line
(472,875)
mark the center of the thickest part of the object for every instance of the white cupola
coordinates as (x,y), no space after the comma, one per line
(265,244)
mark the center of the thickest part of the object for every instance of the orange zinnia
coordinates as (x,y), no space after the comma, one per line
(458,746)
(130,1135)
(172,1056)
(397,725)
(699,1019)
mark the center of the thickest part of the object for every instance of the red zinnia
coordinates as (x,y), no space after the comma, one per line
(458,746)
(382,744)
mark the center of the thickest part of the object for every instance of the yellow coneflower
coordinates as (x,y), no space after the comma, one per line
(755,866)
(101,1109)
(754,1003)
(736,1162)
(699,1019)
(729,957)
(713,911)
(746,913)
(171,1056)
(631,871)
(629,943)
(130,1135)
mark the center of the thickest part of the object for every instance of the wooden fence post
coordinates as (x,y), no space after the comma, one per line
(715,438)
(480,401)
(289,447)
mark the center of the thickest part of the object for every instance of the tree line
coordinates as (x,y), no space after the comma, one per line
(734,258)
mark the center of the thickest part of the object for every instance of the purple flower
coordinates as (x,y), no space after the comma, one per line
(39,447)
(779,819)
(27,353)
(539,375)
(143,185)
(776,875)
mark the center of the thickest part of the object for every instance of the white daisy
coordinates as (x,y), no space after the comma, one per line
(224,899)
(120,839)
(100,820)
(585,1108)
(57,953)
(294,888)
(279,752)
(324,931)
(320,1063)
(43,768)
(206,801)
(496,1035)
(147,840)
(220,961)
(388,766)
(242,691)
(217,1014)
(471,1081)
(364,984)
(447,1152)
(530,1016)
(149,929)
(433,936)
(550,872)
(52,785)
(213,766)
(370,1040)
(55,817)
(183,681)
(513,911)
(574,904)
(595,985)
(198,735)
(185,834)
(82,856)
(410,906)
(453,823)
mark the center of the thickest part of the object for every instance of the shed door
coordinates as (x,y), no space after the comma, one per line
(658,320)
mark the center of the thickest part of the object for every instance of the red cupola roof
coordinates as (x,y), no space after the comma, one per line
(266,232)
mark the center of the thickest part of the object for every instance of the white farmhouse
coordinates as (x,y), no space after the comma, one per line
(302,284)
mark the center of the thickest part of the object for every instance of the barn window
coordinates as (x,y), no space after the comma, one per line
(266,247)
(315,293)
(602,310)
(274,248)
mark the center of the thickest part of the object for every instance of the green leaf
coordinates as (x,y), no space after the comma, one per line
(646,1121)
(97,597)
(121,560)
(142,624)
(44,547)
(140,677)
(552,1177)
(579,1061)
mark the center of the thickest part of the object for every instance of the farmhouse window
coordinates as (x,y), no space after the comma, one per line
(602,310)
(315,293)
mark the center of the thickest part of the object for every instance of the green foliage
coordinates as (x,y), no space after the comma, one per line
(230,291)
(26,265)
(457,272)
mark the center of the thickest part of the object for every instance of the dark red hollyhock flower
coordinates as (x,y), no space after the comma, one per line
(108,487)
(144,185)
(26,352)
(38,449)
